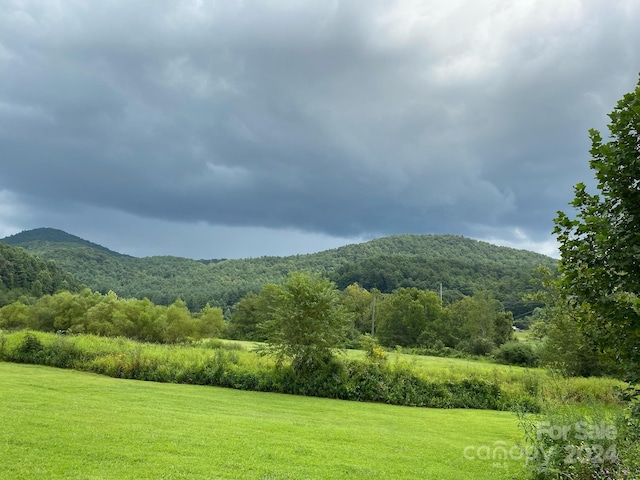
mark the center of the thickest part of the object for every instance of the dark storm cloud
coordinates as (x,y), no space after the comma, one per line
(341,118)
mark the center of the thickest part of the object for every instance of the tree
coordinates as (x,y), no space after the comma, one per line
(180,325)
(564,346)
(409,317)
(14,316)
(600,247)
(251,312)
(149,319)
(482,323)
(210,322)
(100,317)
(306,321)
(358,302)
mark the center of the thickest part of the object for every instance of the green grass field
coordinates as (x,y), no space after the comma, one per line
(65,424)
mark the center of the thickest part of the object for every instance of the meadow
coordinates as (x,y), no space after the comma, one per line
(401,379)
(65,424)
(538,382)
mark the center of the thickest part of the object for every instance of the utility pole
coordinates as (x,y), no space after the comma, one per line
(373,312)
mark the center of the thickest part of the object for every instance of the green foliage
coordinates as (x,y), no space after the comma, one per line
(564,346)
(538,330)
(216,344)
(358,302)
(503,327)
(477,346)
(52,235)
(108,315)
(593,311)
(568,443)
(211,322)
(24,276)
(15,316)
(566,349)
(372,381)
(372,349)
(518,353)
(464,267)
(253,311)
(480,324)
(29,350)
(479,317)
(409,317)
(179,326)
(600,247)
(306,321)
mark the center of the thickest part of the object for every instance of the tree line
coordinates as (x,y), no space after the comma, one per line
(408,317)
(108,315)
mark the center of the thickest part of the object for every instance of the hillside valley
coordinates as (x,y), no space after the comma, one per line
(463,266)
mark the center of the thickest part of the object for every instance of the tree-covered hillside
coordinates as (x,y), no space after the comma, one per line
(43,238)
(462,265)
(25,275)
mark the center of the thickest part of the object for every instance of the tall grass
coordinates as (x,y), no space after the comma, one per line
(401,380)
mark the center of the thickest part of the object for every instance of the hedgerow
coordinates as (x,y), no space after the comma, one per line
(339,378)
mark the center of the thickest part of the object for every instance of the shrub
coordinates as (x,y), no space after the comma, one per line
(477,346)
(3,343)
(518,353)
(216,343)
(566,443)
(30,349)
(372,349)
(61,353)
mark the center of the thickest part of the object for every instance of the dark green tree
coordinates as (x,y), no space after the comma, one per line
(251,312)
(600,247)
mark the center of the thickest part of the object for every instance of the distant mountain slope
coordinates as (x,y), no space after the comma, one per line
(42,238)
(462,265)
(23,274)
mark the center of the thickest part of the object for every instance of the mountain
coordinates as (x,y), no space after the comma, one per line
(25,275)
(42,239)
(463,267)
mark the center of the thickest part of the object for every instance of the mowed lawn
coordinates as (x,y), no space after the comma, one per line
(57,424)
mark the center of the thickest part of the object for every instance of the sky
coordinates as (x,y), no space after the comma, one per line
(228,129)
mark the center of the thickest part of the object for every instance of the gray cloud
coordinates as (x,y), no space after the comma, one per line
(340,119)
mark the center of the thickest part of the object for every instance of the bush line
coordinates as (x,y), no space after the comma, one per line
(358,380)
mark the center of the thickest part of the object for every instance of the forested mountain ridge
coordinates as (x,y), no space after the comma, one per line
(41,239)
(462,265)
(25,275)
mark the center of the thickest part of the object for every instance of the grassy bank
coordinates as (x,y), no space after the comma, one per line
(401,380)
(62,424)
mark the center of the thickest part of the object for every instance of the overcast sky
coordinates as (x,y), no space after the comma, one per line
(227,129)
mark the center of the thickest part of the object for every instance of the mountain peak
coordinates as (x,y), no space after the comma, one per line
(52,235)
